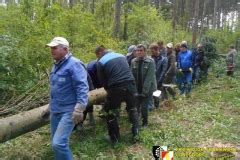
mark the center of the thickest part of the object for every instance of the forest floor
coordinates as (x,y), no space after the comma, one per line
(207,120)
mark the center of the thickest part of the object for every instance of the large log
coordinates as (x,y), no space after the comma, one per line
(16,125)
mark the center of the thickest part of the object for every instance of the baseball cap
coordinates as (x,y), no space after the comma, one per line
(131,48)
(169,45)
(58,41)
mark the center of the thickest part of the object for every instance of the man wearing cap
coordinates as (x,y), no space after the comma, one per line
(184,65)
(198,57)
(162,49)
(170,73)
(131,54)
(68,96)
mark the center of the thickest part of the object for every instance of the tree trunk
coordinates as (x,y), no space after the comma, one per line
(93,6)
(215,14)
(16,125)
(174,16)
(71,3)
(125,27)
(195,23)
(117,19)
(157,5)
(203,15)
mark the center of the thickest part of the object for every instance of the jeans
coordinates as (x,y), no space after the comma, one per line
(165,90)
(196,74)
(185,82)
(61,129)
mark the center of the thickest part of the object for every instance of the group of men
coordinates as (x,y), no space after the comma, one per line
(132,79)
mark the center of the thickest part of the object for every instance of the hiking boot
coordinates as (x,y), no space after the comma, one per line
(91,119)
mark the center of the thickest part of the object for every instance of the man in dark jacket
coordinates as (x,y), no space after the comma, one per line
(143,69)
(116,77)
(93,83)
(162,49)
(198,55)
(170,73)
(161,63)
(131,54)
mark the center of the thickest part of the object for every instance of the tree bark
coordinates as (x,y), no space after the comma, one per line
(215,14)
(117,19)
(71,3)
(203,16)
(174,17)
(125,27)
(16,125)
(93,6)
(195,24)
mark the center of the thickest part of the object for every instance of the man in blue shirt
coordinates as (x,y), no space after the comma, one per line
(68,96)
(184,65)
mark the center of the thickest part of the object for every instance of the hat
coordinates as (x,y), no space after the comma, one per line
(185,42)
(58,41)
(131,48)
(184,45)
(169,45)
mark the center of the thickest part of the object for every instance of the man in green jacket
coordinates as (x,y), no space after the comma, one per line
(143,69)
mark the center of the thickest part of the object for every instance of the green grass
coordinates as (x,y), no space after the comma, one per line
(209,118)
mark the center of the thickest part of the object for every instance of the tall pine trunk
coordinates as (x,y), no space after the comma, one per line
(215,14)
(195,23)
(117,19)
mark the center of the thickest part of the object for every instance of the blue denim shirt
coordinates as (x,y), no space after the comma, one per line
(68,85)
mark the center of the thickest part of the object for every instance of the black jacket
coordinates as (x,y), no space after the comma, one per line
(113,70)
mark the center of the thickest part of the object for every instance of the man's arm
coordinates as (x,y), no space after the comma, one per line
(171,68)
(101,75)
(163,71)
(178,61)
(149,78)
(80,84)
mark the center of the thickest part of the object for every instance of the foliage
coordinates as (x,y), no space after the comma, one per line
(25,28)
(206,119)
(223,38)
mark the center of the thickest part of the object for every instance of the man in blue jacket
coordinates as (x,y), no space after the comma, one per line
(115,76)
(184,65)
(68,96)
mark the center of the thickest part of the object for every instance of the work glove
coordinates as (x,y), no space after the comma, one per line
(190,69)
(45,115)
(77,115)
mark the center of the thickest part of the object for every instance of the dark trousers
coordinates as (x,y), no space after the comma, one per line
(166,90)
(113,101)
(89,109)
(142,107)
